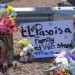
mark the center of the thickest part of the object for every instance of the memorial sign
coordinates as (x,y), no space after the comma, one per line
(49,37)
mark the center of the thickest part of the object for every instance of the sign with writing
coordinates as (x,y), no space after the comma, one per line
(49,37)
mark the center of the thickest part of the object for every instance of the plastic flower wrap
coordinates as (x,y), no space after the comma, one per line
(7,15)
(71,56)
(23,43)
(73,51)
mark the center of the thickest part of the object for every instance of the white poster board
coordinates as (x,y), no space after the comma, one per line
(49,37)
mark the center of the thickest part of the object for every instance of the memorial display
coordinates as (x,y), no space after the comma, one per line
(7,26)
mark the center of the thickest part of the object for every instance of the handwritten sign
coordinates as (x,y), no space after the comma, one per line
(49,37)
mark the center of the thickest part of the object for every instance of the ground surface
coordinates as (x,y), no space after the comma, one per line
(35,3)
(31,3)
(33,68)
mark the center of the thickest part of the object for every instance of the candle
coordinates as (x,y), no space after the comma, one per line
(14,64)
(5,66)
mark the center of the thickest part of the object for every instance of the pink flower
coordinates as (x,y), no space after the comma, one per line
(58,73)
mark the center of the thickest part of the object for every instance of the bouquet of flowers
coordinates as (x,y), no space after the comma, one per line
(7,15)
(27,49)
(64,64)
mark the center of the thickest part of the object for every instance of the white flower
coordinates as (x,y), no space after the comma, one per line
(25,48)
(61,58)
(21,54)
(30,47)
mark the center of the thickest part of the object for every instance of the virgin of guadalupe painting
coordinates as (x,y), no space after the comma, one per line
(6,50)
(3,50)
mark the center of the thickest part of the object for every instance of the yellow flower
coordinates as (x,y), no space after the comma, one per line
(10,8)
(24,42)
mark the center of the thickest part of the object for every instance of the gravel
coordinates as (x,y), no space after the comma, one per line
(31,3)
(32,68)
